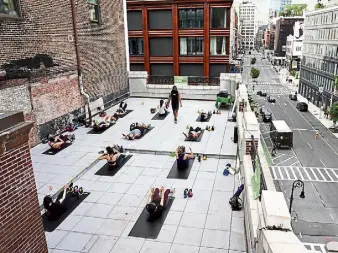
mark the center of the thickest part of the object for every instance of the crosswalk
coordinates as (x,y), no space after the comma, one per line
(316,247)
(275,92)
(304,173)
(264,83)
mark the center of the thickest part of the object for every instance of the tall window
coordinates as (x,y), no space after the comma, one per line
(218,17)
(94,11)
(191,46)
(190,18)
(9,7)
(217,45)
(136,46)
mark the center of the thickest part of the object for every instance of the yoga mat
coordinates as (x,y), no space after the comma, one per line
(150,229)
(100,131)
(181,174)
(52,151)
(145,132)
(158,117)
(105,171)
(199,138)
(71,203)
(127,112)
(199,119)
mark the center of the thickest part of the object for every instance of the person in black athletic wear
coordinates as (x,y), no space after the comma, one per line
(156,202)
(175,98)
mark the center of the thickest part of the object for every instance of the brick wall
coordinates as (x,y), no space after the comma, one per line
(21,228)
(46,28)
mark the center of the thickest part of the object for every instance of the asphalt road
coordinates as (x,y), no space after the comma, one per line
(313,160)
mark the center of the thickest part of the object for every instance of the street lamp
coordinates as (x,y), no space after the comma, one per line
(297,184)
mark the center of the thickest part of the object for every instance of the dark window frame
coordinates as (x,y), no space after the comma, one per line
(136,41)
(17,9)
(192,44)
(96,9)
(213,19)
(218,41)
(195,22)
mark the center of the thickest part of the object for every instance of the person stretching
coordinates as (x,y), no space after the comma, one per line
(59,142)
(110,118)
(193,134)
(175,99)
(155,205)
(114,156)
(55,208)
(162,111)
(136,131)
(98,126)
(182,158)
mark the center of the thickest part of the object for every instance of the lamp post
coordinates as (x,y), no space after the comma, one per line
(297,184)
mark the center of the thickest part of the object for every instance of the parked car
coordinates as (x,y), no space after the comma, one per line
(267,117)
(293,96)
(259,93)
(271,99)
(264,94)
(302,106)
(333,129)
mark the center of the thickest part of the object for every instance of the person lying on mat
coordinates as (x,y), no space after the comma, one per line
(156,202)
(55,208)
(162,111)
(110,118)
(100,125)
(114,156)
(193,134)
(58,142)
(136,131)
(182,158)
(204,116)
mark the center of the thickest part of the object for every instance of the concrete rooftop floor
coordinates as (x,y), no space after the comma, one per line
(102,222)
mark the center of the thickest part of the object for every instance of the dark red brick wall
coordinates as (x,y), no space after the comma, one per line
(21,228)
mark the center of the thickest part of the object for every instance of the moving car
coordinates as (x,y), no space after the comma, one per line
(264,94)
(271,99)
(293,96)
(302,106)
(259,93)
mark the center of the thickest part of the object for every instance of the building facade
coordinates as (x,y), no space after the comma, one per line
(248,23)
(294,44)
(260,37)
(56,57)
(320,57)
(179,38)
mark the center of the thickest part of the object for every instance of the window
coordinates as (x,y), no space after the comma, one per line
(94,11)
(298,48)
(217,45)
(9,7)
(136,46)
(191,46)
(191,18)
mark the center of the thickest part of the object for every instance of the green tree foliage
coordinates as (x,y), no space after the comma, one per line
(334,112)
(293,10)
(254,73)
(319,5)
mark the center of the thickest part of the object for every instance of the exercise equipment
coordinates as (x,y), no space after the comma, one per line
(181,173)
(110,172)
(158,117)
(53,151)
(197,140)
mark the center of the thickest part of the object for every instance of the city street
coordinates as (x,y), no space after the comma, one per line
(315,161)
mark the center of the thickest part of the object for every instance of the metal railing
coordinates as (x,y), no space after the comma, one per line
(191,80)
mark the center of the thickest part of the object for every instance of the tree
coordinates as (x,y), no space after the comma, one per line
(334,112)
(254,73)
(294,10)
(319,5)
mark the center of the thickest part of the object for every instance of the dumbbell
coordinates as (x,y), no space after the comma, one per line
(70,188)
(78,190)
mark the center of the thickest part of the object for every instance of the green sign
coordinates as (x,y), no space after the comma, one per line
(180,80)
(256,180)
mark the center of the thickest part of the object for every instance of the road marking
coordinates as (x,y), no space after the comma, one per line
(301,175)
(322,162)
(321,174)
(314,174)
(293,173)
(300,235)
(334,173)
(309,145)
(313,246)
(281,183)
(332,216)
(328,174)
(285,160)
(273,173)
(280,172)
(287,173)
(294,163)
(278,156)
(307,173)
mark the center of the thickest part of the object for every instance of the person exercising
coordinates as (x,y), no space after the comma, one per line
(182,158)
(156,204)
(59,142)
(55,208)
(193,134)
(114,156)
(175,99)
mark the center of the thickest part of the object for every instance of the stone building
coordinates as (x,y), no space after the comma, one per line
(58,56)
(319,65)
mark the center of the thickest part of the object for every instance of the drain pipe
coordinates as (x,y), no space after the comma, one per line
(78,61)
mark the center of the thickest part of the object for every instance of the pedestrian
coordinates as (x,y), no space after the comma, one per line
(253,87)
(175,99)
(273,151)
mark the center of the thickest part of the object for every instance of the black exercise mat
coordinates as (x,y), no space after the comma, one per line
(158,117)
(181,174)
(99,131)
(105,171)
(145,132)
(71,204)
(150,229)
(199,119)
(127,112)
(199,138)
(53,151)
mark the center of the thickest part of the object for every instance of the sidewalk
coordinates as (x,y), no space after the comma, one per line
(312,108)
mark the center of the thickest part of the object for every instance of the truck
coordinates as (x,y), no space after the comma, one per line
(281,134)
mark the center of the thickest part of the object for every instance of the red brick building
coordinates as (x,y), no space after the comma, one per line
(50,49)
(179,37)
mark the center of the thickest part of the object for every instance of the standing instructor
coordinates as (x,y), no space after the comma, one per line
(175,98)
